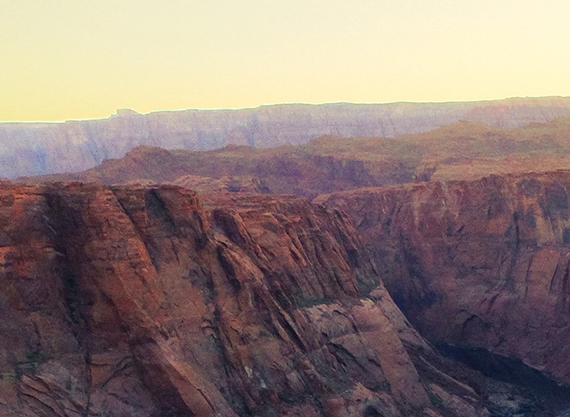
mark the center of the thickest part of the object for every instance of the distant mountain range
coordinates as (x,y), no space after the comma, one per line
(463,150)
(46,148)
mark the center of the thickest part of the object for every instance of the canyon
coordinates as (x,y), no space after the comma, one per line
(476,263)
(153,301)
(142,301)
(45,148)
(416,275)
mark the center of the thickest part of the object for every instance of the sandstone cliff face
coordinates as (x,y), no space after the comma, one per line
(483,263)
(134,301)
(41,148)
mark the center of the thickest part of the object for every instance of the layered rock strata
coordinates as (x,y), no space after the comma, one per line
(46,148)
(483,263)
(462,151)
(137,301)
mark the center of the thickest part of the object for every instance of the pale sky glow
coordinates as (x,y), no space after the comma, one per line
(77,59)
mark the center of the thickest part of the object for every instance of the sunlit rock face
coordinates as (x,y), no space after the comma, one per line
(36,148)
(141,301)
(482,263)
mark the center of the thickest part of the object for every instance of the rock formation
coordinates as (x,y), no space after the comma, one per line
(45,148)
(464,150)
(283,170)
(225,184)
(483,263)
(139,301)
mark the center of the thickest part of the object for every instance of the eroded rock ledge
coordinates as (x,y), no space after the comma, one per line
(135,301)
(482,263)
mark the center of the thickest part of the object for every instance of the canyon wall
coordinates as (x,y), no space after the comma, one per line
(44,148)
(482,264)
(138,301)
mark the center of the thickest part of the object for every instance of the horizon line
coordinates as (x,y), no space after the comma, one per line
(135,113)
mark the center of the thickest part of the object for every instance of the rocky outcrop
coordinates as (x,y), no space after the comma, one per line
(45,148)
(139,301)
(225,184)
(282,170)
(482,263)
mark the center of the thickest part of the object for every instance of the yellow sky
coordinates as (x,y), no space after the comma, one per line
(76,59)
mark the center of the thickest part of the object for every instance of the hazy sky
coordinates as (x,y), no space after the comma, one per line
(69,59)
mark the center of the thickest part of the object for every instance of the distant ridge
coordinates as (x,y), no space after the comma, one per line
(459,151)
(46,148)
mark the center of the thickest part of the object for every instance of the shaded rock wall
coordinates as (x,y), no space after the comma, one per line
(131,301)
(483,263)
(42,148)
(283,170)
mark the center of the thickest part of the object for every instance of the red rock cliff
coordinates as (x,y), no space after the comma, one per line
(140,302)
(483,263)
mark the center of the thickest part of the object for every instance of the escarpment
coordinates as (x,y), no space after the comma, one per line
(462,151)
(49,148)
(137,301)
(483,263)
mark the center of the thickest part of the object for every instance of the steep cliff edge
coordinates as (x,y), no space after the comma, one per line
(483,263)
(134,301)
(47,148)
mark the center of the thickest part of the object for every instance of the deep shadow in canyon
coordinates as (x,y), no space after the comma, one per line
(546,392)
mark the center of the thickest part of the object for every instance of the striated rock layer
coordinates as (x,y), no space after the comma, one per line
(134,301)
(483,263)
(462,151)
(47,148)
